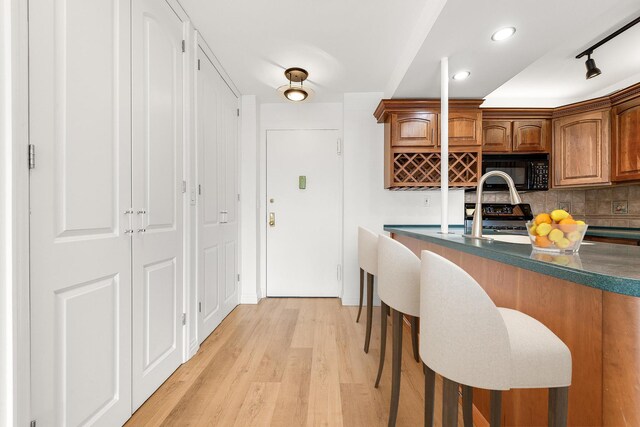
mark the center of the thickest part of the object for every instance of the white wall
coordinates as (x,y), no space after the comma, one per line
(366,202)
(249,236)
(287,116)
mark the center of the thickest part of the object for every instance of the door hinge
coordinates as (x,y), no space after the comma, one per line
(184,318)
(199,307)
(238,196)
(238,112)
(199,190)
(198,65)
(184,48)
(339,272)
(32,423)
(32,156)
(339,146)
(184,186)
(238,277)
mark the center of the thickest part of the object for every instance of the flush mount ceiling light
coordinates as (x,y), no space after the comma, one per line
(592,70)
(503,34)
(296,92)
(461,75)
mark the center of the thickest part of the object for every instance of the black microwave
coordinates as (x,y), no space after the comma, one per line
(530,172)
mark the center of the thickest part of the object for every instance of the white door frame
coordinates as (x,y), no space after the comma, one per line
(14,214)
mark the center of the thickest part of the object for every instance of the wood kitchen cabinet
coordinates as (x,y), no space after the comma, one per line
(496,136)
(530,136)
(581,147)
(414,129)
(625,137)
(516,130)
(412,151)
(465,128)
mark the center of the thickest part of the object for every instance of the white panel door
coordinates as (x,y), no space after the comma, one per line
(80,190)
(304,233)
(217,206)
(157,67)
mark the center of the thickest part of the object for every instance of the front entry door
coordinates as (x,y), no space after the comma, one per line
(80,192)
(157,62)
(304,213)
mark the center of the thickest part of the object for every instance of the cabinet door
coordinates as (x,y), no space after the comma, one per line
(465,128)
(496,136)
(625,156)
(581,149)
(414,129)
(80,194)
(530,135)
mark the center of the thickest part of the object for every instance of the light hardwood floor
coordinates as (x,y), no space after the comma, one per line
(289,362)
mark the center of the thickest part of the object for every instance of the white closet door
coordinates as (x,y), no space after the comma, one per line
(80,189)
(217,206)
(157,67)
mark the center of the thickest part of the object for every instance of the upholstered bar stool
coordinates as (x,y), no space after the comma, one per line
(368,260)
(399,290)
(469,341)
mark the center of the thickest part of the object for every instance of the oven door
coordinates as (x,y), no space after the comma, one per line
(518,170)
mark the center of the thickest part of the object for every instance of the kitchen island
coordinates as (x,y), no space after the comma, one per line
(591,301)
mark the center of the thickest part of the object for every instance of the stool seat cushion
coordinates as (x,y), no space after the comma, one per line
(539,359)
(368,250)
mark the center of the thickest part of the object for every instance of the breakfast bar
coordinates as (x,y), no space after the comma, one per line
(590,300)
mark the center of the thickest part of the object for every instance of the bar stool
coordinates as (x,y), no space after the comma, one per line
(469,341)
(368,260)
(399,289)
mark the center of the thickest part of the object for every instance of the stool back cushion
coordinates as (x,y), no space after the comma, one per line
(398,276)
(462,334)
(368,250)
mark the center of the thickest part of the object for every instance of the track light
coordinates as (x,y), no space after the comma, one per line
(592,70)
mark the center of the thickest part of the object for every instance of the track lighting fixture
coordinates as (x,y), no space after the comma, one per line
(592,70)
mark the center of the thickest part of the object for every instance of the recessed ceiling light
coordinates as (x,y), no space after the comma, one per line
(503,33)
(461,75)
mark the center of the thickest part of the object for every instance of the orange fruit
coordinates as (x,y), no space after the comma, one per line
(567,225)
(543,218)
(543,242)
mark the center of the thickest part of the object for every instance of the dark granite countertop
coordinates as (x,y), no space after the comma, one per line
(605,266)
(618,232)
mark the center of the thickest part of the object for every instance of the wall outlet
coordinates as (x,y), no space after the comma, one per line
(426,201)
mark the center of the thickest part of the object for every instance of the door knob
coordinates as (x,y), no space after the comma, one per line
(272,219)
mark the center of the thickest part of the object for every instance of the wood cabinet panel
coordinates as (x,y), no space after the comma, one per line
(581,147)
(465,128)
(414,129)
(531,135)
(496,136)
(625,130)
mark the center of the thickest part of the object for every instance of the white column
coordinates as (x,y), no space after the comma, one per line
(444,144)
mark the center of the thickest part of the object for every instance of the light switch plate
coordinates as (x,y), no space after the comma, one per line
(302,182)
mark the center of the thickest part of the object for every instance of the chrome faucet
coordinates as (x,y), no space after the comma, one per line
(476,227)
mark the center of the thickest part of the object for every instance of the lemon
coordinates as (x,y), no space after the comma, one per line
(556,235)
(559,214)
(543,229)
(563,243)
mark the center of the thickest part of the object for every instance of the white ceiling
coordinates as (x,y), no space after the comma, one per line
(346,45)
(395,47)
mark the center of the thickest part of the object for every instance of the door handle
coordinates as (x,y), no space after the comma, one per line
(272,219)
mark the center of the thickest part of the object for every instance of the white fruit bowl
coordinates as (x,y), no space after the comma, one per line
(559,238)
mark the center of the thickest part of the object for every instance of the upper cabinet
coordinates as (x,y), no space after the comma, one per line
(531,136)
(465,128)
(625,134)
(581,145)
(516,130)
(412,155)
(414,129)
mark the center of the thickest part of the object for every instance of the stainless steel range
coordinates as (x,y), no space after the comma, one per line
(500,217)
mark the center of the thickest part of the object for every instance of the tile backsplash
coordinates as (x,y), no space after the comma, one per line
(611,207)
